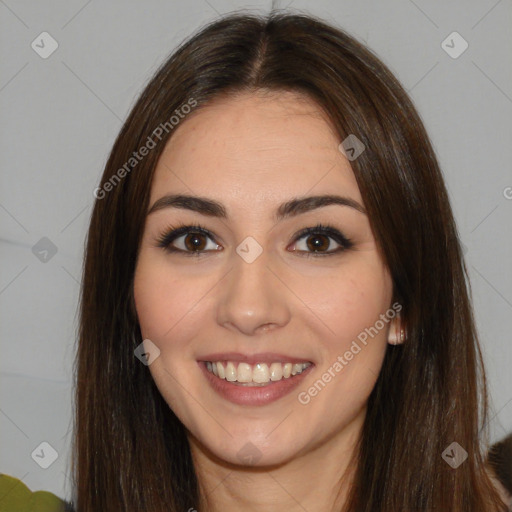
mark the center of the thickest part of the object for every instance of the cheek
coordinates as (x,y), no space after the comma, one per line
(349,301)
(163,300)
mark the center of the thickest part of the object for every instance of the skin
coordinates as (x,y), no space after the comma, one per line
(280,146)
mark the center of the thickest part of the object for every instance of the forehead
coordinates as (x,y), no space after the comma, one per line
(255,146)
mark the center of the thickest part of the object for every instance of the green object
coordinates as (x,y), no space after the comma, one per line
(15,496)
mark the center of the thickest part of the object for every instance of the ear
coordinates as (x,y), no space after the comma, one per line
(396,333)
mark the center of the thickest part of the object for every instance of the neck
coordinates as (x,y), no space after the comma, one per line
(316,480)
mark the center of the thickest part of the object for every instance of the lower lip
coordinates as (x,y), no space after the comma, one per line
(253,395)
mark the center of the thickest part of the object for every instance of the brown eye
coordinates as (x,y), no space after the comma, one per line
(318,243)
(195,241)
(321,240)
(188,240)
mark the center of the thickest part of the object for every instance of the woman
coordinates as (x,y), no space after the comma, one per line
(274,310)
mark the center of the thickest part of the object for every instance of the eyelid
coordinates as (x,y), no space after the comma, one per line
(174,232)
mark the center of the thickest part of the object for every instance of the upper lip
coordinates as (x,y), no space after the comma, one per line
(263,357)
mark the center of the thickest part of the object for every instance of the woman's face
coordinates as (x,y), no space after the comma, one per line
(253,294)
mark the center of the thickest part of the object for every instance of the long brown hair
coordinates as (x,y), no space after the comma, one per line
(130,452)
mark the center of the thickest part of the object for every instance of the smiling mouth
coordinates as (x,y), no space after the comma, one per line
(259,374)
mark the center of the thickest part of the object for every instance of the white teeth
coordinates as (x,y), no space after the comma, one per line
(296,368)
(230,372)
(276,371)
(244,373)
(258,374)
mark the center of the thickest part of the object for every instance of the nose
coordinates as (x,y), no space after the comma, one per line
(253,299)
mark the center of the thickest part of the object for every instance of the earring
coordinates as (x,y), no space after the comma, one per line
(399,336)
(402,334)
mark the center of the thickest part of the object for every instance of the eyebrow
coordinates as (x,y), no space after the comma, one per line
(292,208)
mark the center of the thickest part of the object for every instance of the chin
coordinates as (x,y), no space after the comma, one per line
(246,449)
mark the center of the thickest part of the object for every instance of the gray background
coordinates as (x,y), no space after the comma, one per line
(60,116)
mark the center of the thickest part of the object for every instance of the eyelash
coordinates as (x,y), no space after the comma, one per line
(174,232)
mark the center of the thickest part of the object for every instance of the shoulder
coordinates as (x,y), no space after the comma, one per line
(15,496)
(505,496)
